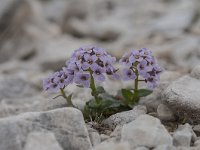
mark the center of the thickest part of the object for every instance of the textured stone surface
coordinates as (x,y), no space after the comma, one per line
(196,129)
(141,148)
(164,113)
(182,96)
(9,107)
(94,138)
(67,124)
(183,136)
(165,147)
(145,131)
(196,72)
(113,146)
(125,117)
(15,87)
(153,100)
(42,141)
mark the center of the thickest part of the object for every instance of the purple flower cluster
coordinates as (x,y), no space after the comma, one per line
(58,80)
(84,63)
(141,63)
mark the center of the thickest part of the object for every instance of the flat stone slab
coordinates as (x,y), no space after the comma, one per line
(66,124)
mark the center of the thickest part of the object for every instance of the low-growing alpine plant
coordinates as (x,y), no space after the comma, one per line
(89,65)
(140,66)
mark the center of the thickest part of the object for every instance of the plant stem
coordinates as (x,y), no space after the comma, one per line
(136,81)
(136,87)
(68,99)
(93,88)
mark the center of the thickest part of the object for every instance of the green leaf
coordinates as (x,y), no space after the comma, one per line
(92,104)
(100,90)
(144,92)
(127,94)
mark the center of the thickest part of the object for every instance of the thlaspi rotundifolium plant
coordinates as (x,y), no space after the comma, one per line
(140,66)
(89,65)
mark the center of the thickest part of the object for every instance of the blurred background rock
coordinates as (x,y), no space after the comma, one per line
(41,34)
(38,36)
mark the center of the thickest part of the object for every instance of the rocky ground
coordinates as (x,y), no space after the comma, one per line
(37,37)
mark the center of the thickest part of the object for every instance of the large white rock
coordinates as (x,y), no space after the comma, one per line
(145,131)
(153,100)
(183,136)
(125,117)
(42,141)
(9,107)
(183,97)
(67,124)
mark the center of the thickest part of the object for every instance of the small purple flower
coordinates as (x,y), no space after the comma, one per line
(151,82)
(158,70)
(145,52)
(88,49)
(135,56)
(99,51)
(129,74)
(75,67)
(143,68)
(112,72)
(107,59)
(49,84)
(125,60)
(82,79)
(98,73)
(89,60)
(46,83)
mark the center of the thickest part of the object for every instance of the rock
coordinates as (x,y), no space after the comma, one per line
(188,148)
(116,133)
(183,136)
(64,45)
(124,117)
(185,52)
(145,131)
(196,129)
(164,113)
(197,143)
(113,146)
(167,23)
(42,141)
(153,100)
(196,27)
(93,134)
(141,148)
(104,137)
(165,147)
(182,96)
(196,72)
(21,18)
(67,124)
(12,86)
(9,107)
(94,138)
